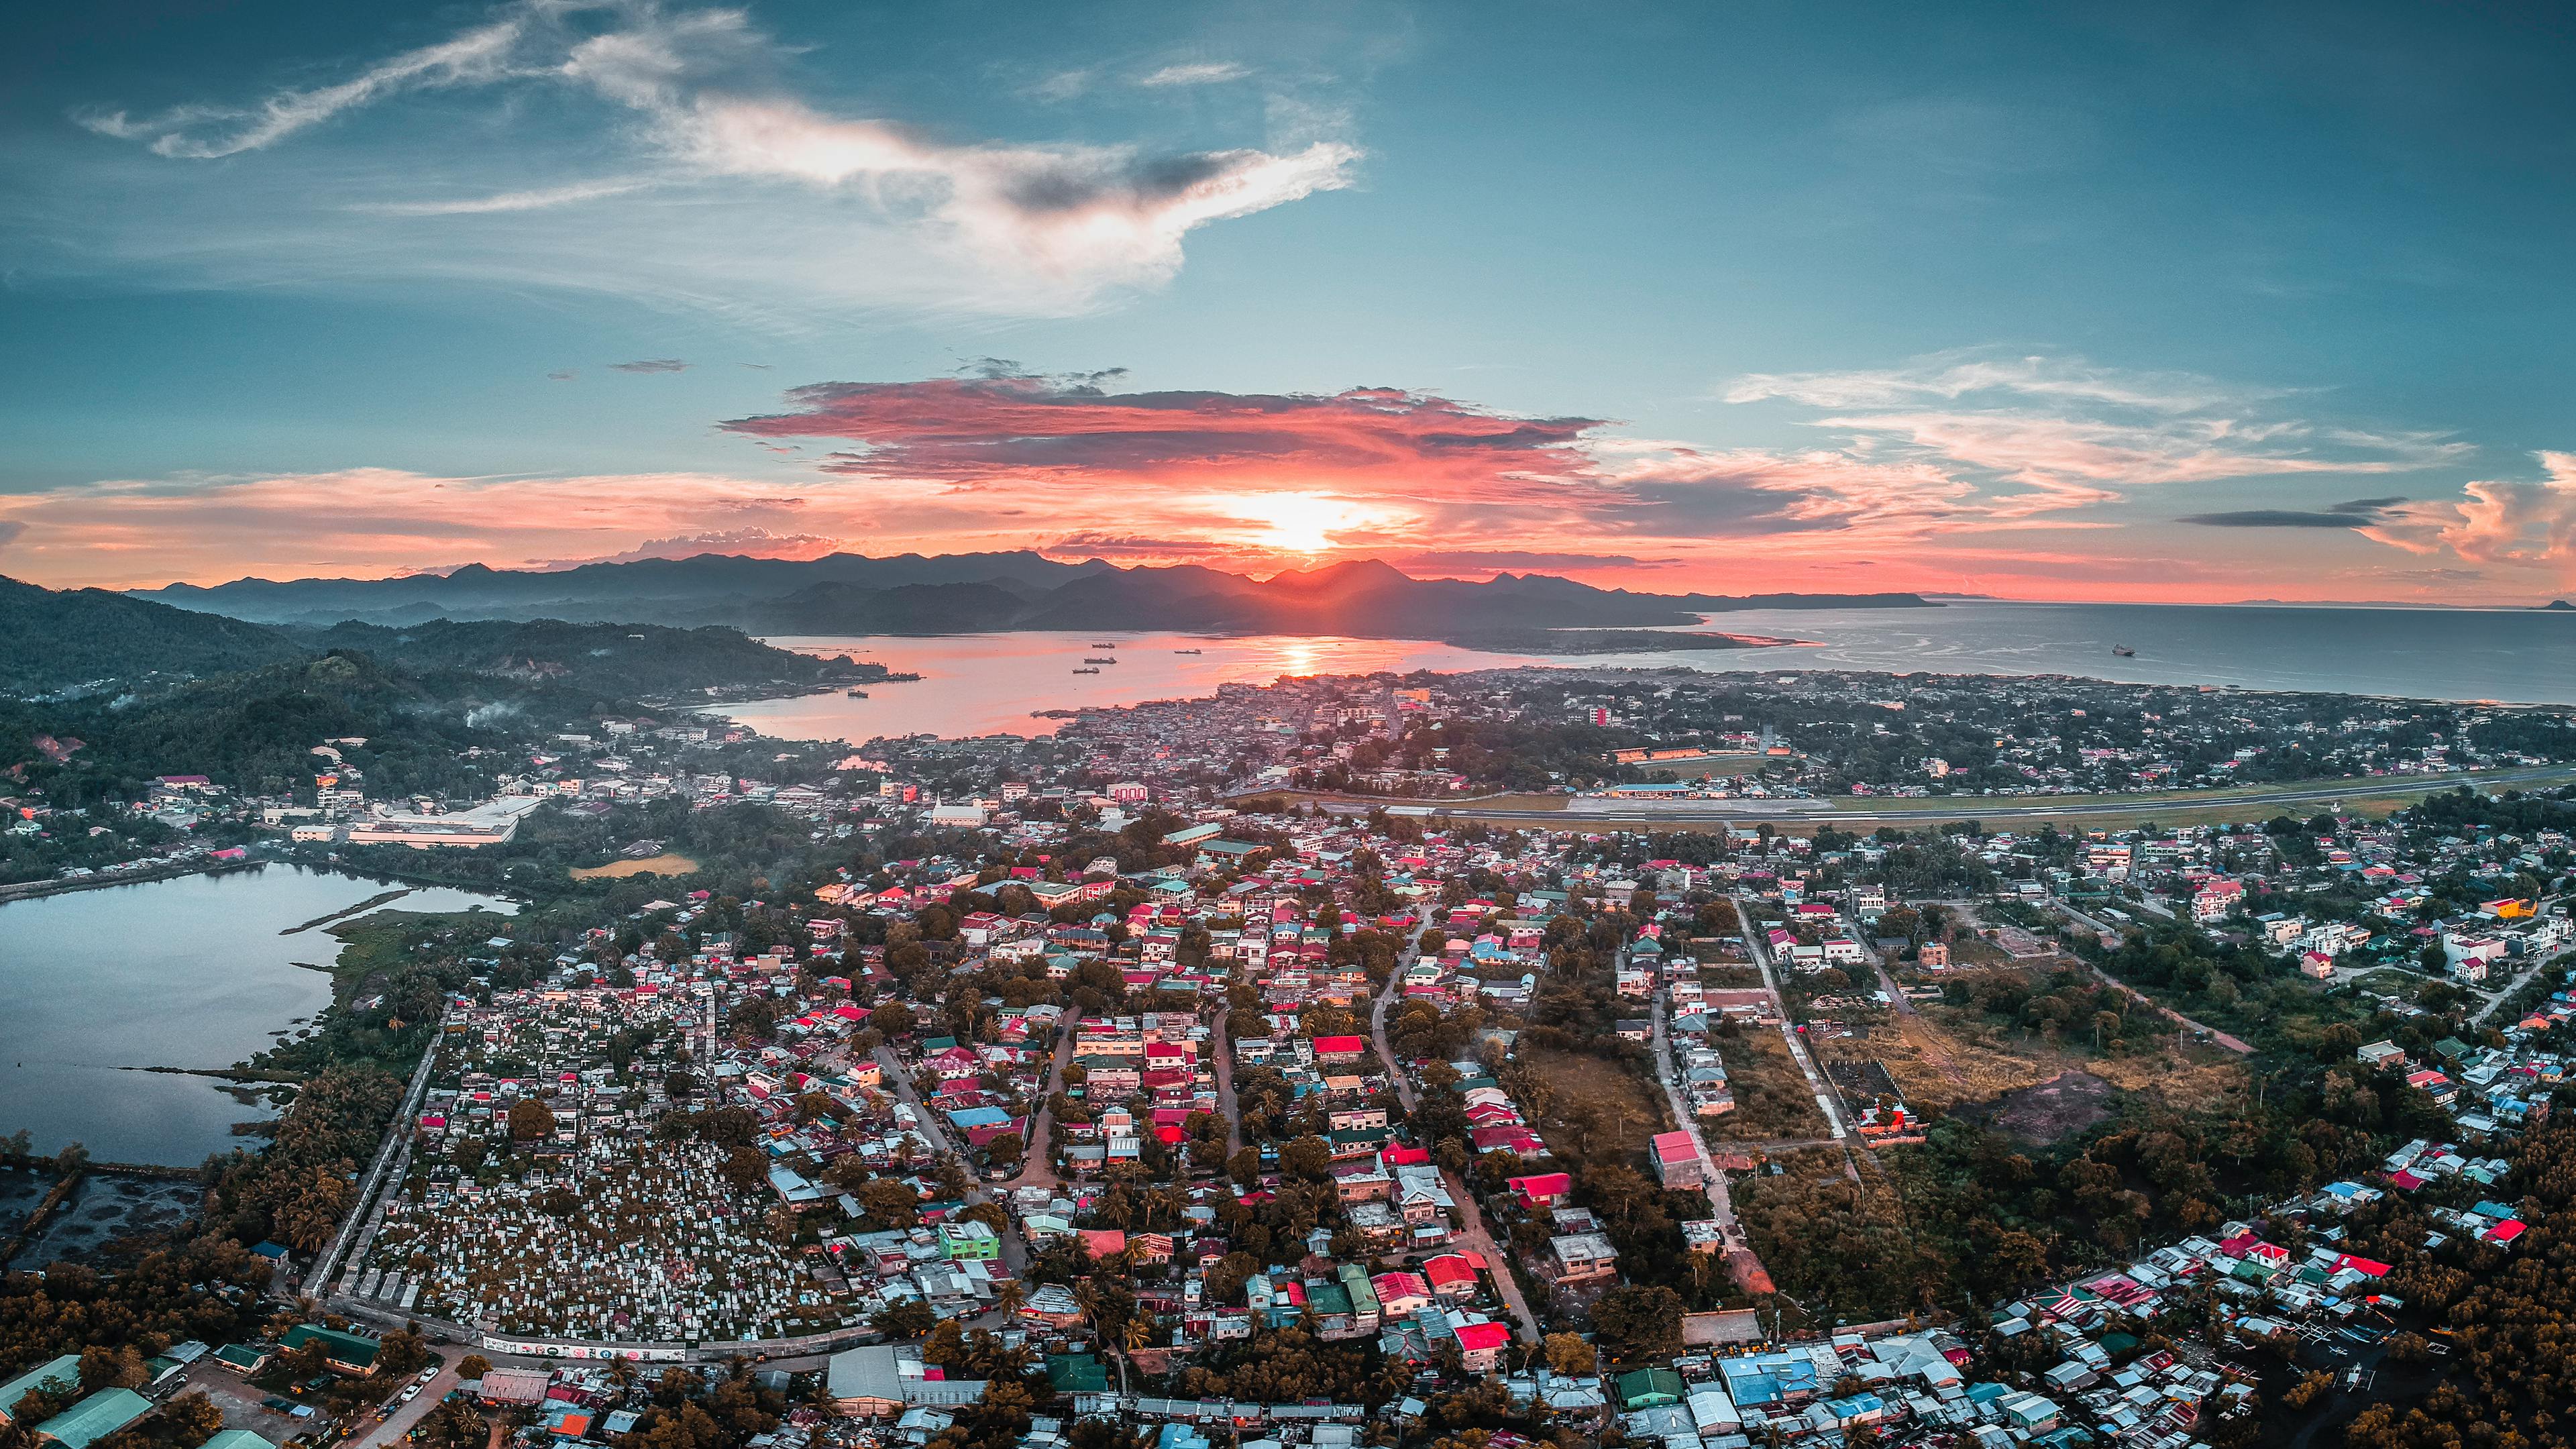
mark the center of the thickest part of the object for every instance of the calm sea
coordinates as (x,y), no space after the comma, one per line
(188,972)
(990,683)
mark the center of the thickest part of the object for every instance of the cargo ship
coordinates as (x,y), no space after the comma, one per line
(2124,651)
(1104,659)
(1086,671)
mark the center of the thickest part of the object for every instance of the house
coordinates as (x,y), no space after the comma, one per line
(1481,1345)
(346,1353)
(94,1418)
(1677,1160)
(1581,1258)
(881,1380)
(1542,1190)
(64,1370)
(1340,1050)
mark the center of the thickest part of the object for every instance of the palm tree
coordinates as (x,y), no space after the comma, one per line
(1010,1296)
(1139,1333)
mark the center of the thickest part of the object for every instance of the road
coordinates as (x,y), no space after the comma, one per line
(1015,1250)
(1720,1205)
(1830,1104)
(404,1416)
(397,1143)
(1037,1169)
(1585,812)
(1221,1062)
(2233,1044)
(1472,1234)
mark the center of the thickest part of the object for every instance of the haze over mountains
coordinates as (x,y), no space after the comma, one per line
(974,593)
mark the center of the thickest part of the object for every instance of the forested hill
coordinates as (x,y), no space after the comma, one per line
(53,639)
(116,644)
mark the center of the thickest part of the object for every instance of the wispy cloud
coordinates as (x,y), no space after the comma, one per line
(202,132)
(535,200)
(1201,73)
(2049,434)
(650,364)
(741,184)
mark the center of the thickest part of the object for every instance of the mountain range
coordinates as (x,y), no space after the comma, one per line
(982,592)
(88,643)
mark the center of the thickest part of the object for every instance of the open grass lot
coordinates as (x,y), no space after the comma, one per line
(1772,1098)
(1946,1057)
(1597,1110)
(664,864)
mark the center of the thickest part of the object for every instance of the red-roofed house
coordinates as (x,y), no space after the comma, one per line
(1481,1345)
(1542,1190)
(1450,1276)
(1337,1049)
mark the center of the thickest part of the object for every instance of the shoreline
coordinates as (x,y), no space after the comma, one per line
(38,889)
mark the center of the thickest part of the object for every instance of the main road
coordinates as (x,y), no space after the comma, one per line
(1472,1233)
(1826,1100)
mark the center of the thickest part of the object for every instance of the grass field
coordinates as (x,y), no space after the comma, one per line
(1599,1110)
(1772,1098)
(1946,1056)
(664,864)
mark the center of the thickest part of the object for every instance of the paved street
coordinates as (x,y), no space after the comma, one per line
(1826,1099)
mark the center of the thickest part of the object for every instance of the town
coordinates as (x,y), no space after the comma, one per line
(1210,1068)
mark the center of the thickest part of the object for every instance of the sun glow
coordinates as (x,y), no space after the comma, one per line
(1300,523)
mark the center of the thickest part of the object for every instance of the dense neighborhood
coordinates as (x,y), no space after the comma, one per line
(1111,1085)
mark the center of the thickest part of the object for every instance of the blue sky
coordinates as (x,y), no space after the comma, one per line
(1988,298)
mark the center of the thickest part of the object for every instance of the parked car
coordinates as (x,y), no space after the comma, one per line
(429,1373)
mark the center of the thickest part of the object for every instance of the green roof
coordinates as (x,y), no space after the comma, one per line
(66,1369)
(95,1417)
(1648,1387)
(347,1348)
(241,1356)
(238,1439)
(1076,1373)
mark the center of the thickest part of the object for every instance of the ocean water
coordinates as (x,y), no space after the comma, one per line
(2517,656)
(990,683)
(195,971)
(983,684)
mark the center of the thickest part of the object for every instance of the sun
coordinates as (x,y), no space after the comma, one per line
(1300,523)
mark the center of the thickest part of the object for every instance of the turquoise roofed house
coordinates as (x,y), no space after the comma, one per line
(62,1373)
(350,1353)
(1076,1373)
(237,1439)
(94,1418)
(1649,1388)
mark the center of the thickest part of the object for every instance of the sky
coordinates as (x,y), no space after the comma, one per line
(2167,303)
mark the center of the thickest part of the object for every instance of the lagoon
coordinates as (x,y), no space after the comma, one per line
(194,971)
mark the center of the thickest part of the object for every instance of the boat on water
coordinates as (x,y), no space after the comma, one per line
(1086,671)
(2124,651)
(858,694)
(1187,651)
(1097,645)
(1103,659)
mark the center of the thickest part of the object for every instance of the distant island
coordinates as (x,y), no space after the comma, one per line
(911,594)
(2558,606)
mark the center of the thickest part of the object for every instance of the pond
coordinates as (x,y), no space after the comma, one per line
(199,971)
